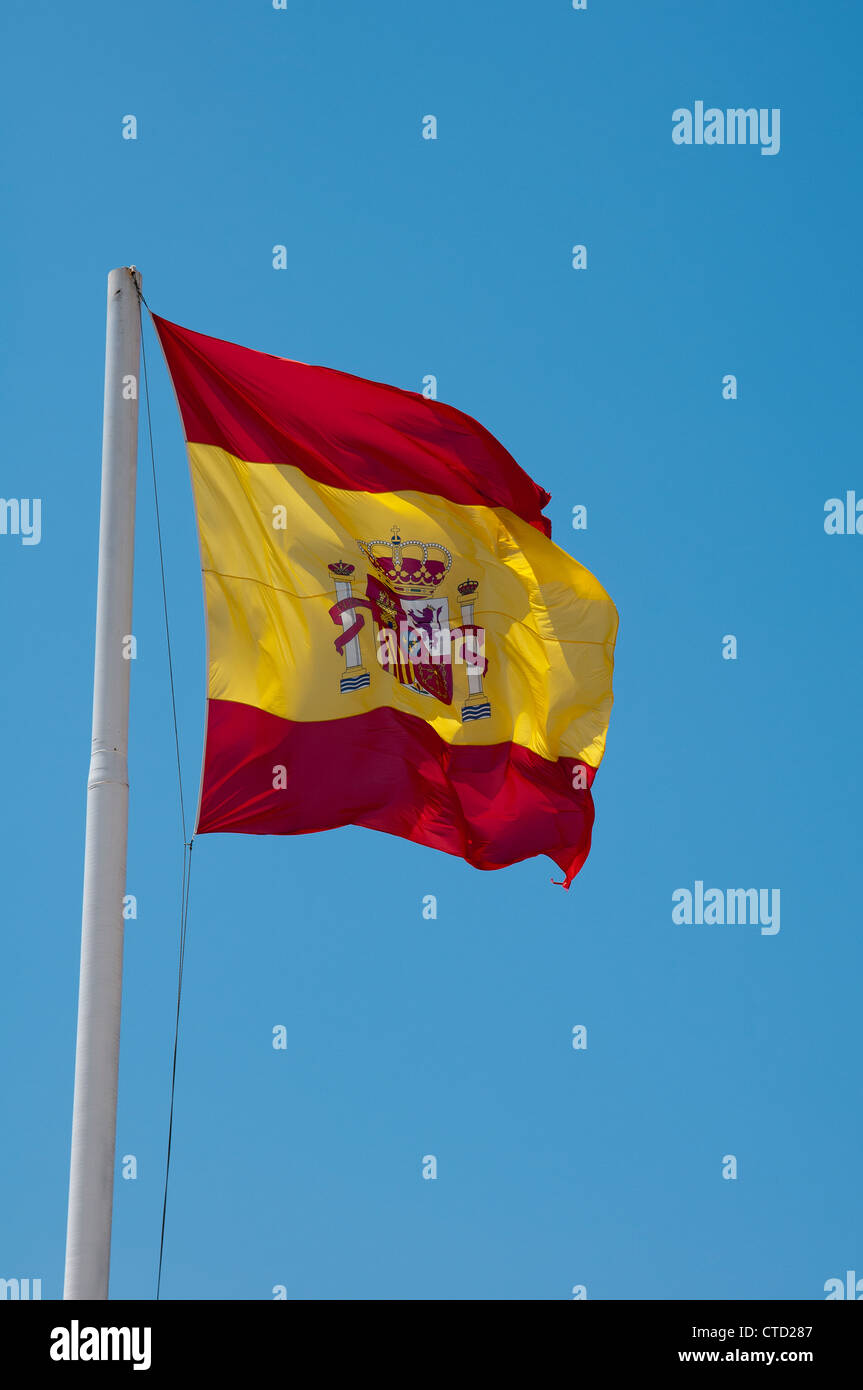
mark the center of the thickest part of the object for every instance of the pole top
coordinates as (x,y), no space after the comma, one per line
(123,270)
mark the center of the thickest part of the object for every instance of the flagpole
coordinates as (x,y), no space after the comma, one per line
(94,1115)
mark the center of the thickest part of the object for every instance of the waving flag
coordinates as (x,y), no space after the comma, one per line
(394,640)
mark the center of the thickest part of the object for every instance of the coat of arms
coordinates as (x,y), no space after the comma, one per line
(415,641)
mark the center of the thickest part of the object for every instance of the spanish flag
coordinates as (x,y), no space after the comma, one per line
(393,639)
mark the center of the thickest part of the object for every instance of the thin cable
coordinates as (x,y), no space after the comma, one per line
(187,844)
(141,296)
(184,921)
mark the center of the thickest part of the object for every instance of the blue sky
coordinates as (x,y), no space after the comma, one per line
(406,1037)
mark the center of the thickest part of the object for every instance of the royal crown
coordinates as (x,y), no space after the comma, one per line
(468,587)
(405,565)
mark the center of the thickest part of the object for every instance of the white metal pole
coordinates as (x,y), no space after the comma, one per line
(94,1116)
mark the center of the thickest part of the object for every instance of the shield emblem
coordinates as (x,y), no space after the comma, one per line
(428,646)
(421,639)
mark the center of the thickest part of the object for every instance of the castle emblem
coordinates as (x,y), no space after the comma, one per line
(416,644)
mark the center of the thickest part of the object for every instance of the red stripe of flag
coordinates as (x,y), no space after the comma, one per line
(492,805)
(340,429)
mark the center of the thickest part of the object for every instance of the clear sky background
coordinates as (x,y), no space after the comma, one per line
(452,1037)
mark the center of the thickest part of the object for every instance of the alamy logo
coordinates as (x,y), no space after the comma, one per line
(21,517)
(734,126)
(849,1287)
(844,517)
(20,1288)
(76,1343)
(718,906)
